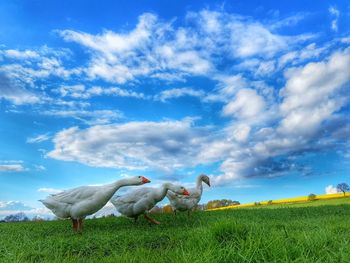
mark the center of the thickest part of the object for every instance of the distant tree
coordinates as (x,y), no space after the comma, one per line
(270,202)
(221,203)
(257,203)
(16,217)
(311,197)
(343,187)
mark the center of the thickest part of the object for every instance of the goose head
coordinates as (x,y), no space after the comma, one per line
(178,189)
(138,180)
(205,179)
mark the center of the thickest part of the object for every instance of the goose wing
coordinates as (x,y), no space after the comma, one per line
(131,197)
(74,195)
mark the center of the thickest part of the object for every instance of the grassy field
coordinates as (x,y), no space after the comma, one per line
(289,234)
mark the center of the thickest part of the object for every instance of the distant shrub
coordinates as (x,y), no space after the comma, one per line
(311,197)
(270,202)
(167,209)
(257,203)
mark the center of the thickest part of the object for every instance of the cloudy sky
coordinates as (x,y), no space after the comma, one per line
(254,95)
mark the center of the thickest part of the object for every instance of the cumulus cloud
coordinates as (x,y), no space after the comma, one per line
(167,145)
(311,94)
(293,123)
(247,104)
(266,127)
(331,189)
(306,121)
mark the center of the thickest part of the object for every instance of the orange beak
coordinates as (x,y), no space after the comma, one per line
(145,180)
(186,192)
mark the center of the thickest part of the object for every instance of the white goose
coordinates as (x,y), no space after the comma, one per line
(79,202)
(186,203)
(141,200)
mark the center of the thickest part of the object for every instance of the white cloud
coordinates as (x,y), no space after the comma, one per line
(13,205)
(80,92)
(166,145)
(30,69)
(312,97)
(331,189)
(145,51)
(107,210)
(159,49)
(179,92)
(334,12)
(296,57)
(11,167)
(246,104)
(13,92)
(311,93)
(89,117)
(18,54)
(39,138)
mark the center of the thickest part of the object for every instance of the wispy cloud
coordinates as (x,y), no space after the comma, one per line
(90,117)
(159,49)
(80,92)
(12,91)
(11,166)
(39,138)
(179,92)
(334,12)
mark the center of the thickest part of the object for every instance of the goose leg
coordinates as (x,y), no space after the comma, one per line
(151,219)
(175,212)
(189,212)
(75,224)
(80,225)
(135,218)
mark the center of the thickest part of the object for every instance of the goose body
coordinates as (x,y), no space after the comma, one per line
(186,203)
(142,200)
(77,203)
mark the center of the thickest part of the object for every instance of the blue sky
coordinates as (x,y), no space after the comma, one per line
(254,94)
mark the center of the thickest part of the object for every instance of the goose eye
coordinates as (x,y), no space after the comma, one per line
(139,176)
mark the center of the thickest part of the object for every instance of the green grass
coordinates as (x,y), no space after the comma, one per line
(292,234)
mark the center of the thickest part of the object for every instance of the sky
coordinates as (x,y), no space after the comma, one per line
(254,94)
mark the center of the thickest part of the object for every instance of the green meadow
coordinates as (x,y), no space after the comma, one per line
(310,232)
